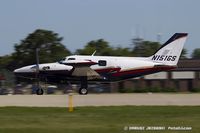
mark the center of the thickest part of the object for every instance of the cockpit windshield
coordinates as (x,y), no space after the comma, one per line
(66,58)
(34,67)
(71,59)
(63,59)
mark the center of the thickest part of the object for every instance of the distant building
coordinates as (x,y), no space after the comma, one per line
(184,78)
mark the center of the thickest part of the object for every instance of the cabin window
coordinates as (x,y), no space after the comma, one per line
(71,59)
(102,63)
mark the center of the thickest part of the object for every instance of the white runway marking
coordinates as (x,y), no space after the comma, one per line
(100,100)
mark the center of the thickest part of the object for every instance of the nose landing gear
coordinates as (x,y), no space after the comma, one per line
(39,91)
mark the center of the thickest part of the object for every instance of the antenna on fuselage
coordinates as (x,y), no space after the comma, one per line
(94,53)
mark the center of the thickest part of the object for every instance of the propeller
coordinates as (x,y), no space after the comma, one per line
(39,90)
(37,66)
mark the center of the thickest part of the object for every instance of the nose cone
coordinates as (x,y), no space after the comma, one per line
(16,71)
(26,69)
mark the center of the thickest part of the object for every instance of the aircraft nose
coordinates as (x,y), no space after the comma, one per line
(25,69)
(16,71)
(19,70)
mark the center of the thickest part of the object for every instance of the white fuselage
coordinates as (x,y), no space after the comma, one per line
(109,68)
(125,63)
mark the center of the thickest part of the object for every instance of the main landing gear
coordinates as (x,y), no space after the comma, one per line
(83,90)
(84,86)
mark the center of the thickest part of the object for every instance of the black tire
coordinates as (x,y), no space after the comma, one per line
(39,91)
(83,91)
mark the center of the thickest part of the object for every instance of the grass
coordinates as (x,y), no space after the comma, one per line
(97,119)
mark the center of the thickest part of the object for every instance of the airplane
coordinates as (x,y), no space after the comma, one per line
(84,68)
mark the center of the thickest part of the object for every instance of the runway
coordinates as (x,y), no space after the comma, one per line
(101,100)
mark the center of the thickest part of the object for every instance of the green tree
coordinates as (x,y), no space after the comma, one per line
(49,44)
(119,51)
(4,61)
(100,46)
(144,48)
(103,48)
(184,54)
(196,53)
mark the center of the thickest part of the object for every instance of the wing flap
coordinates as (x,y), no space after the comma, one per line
(85,71)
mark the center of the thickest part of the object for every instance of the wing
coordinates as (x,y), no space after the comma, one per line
(81,68)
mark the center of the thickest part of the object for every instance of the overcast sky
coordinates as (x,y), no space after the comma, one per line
(116,21)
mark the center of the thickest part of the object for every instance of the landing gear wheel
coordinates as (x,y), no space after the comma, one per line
(84,85)
(83,91)
(39,91)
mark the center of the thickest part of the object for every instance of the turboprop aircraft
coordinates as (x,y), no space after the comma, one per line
(107,68)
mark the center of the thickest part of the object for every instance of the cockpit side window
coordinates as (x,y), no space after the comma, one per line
(102,62)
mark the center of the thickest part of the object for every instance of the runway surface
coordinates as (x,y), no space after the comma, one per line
(100,100)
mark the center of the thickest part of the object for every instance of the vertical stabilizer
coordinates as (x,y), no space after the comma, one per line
(169,53)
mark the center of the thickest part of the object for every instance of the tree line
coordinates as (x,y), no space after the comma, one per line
(51,49)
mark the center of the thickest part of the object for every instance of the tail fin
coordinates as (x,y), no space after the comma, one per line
(169,53)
